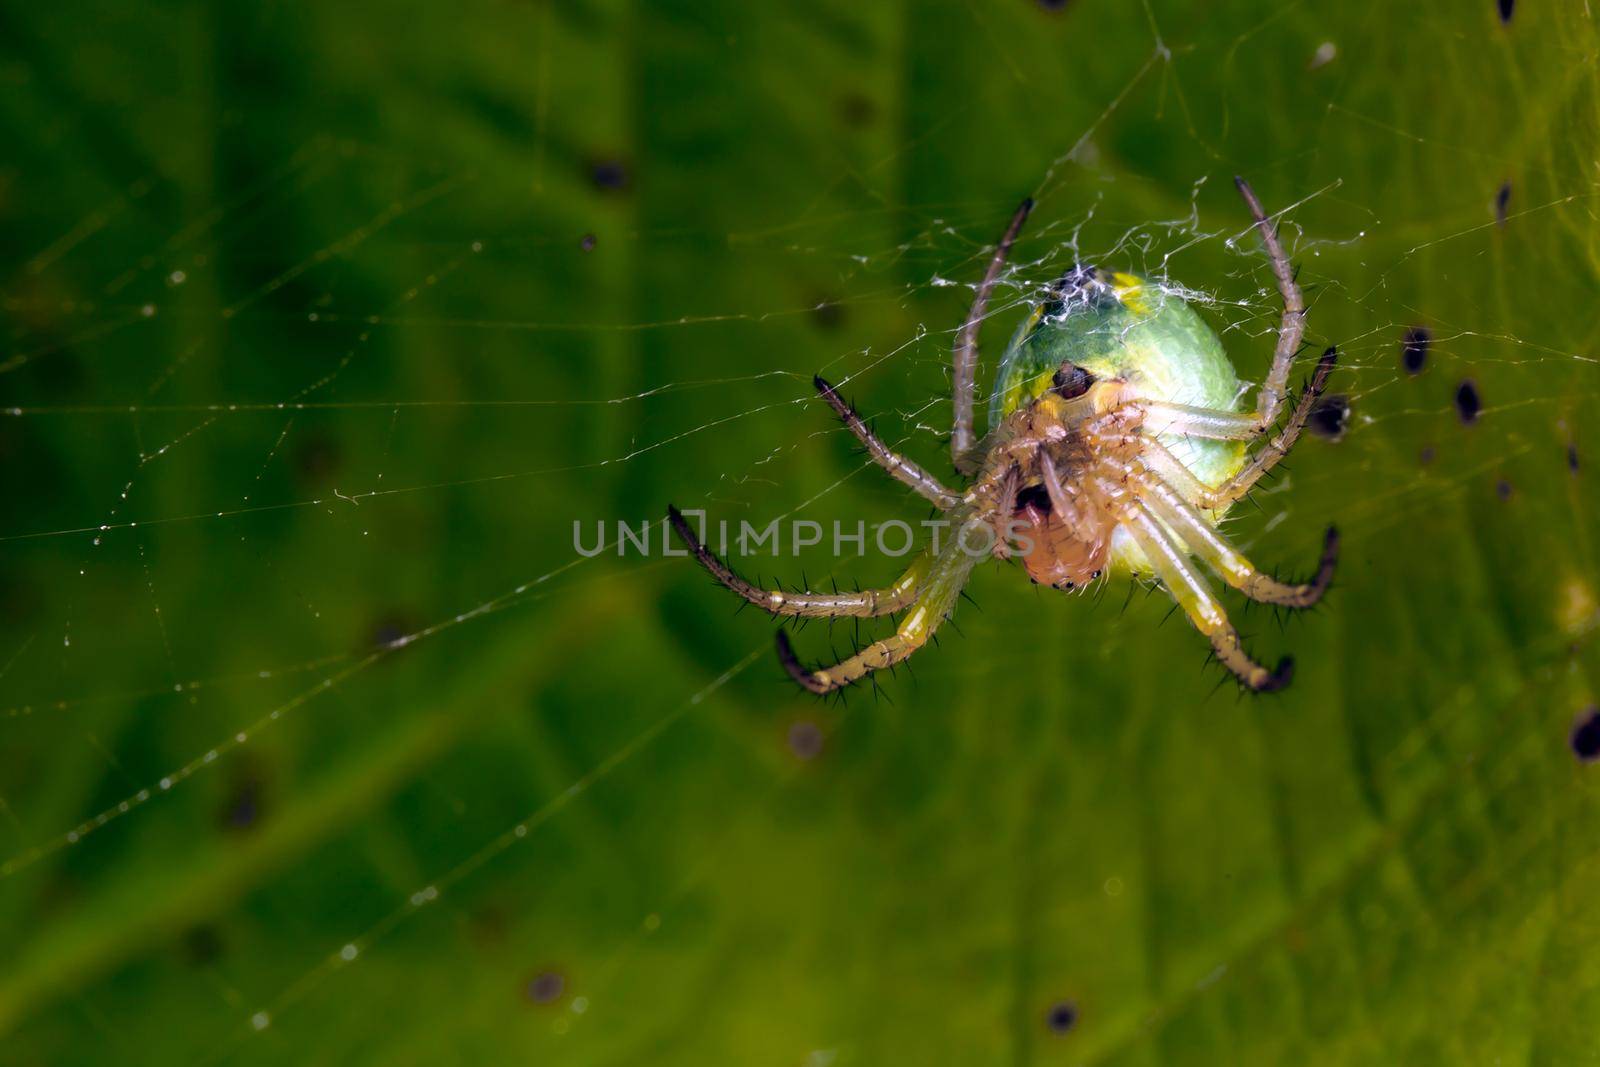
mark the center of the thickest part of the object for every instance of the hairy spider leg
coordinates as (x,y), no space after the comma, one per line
(1293,325)
(1194,596)
(935,599)
(1268,455)
(1205,542)
(1158,459)
(1228,426)
(966,349)
(1213,423)
(865,603)
(901,469)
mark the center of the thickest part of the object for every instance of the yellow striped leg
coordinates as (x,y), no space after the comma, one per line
(1158,460)
(1188,420)
(1194,595)
(864,603)
(933,605)
(1203,540)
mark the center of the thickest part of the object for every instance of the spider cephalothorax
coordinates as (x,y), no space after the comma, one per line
(1115,443)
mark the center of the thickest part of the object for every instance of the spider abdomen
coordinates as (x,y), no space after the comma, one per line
(1115,325)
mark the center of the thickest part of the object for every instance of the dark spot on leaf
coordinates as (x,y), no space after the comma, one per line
(805,740)
(243,809)
(1502,200)
(1503,489)
(387,634)
(1061,1017)
(64,374)
(610,175)
(1586,736)
(587,242)
(827,314)
(489,922)
(857,110)
(317,459)
(1426,456)
(21,594)
(1468,402)
(545,987)
(202,945)
(391,629)
(1414,349)
(1330,417)
(1572,458)
(1054,5)
(1506,8)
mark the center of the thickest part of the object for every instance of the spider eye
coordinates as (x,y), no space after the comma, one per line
(1072,381)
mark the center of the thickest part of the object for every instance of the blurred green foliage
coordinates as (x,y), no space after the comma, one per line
(579,817)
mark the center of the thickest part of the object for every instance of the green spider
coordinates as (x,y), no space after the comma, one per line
(1115,443)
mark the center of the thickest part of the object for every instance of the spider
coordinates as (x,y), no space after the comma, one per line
(1115,442)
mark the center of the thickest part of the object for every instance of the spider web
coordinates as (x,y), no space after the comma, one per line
(309,698)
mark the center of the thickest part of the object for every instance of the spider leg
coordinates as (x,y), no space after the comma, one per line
(900,468)
(1226,425)
(1194,595)
(864,603)
(1158,460)
(1293,325)
(934,601)
(966,350)
(1190,421)
(1267,457)
(1203,540)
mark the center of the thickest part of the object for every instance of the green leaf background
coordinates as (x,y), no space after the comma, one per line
(298,306)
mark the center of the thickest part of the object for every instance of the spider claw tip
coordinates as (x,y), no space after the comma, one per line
(1280,677)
